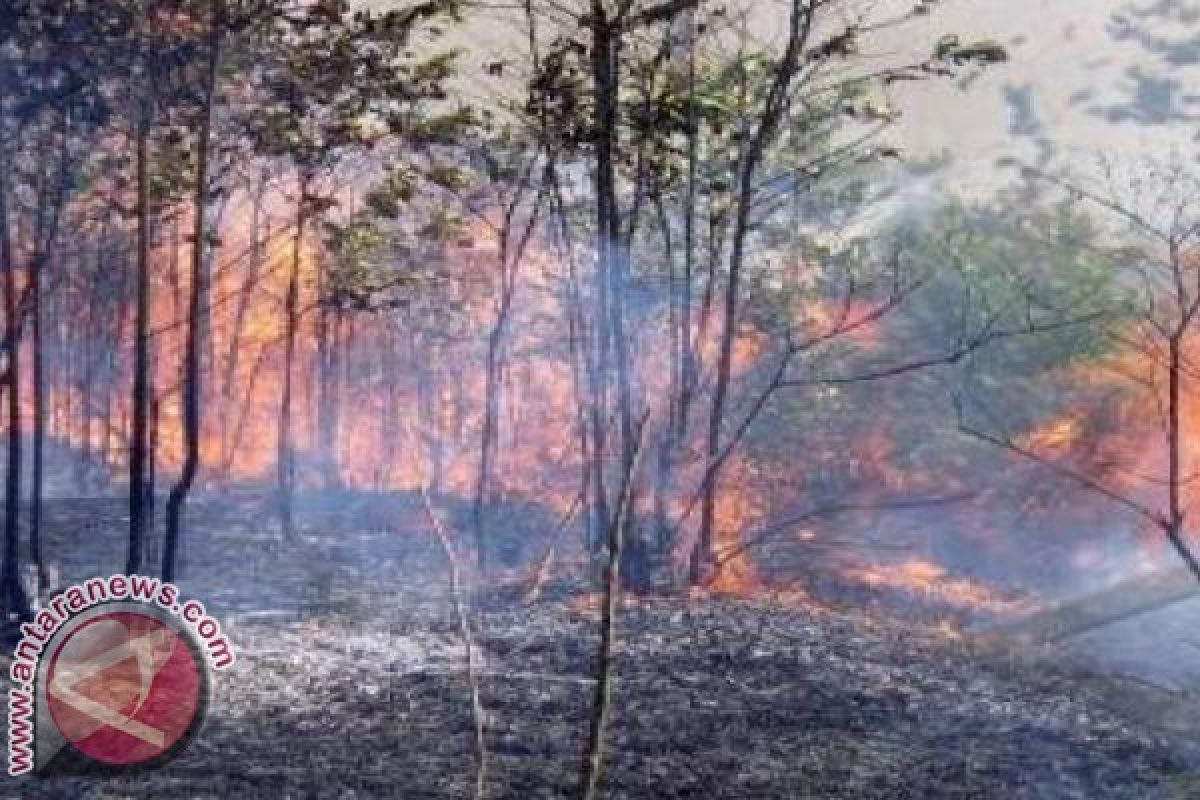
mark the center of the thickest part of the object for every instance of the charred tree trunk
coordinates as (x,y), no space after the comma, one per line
(89,362)
(285,458)
(1174,523)
(687,360)
(775,104)
(177,498)
(38,455)
(112,438)
(83,465)
(605,91)
(51,199)
(11,591)
(141,356)
(703,557)
(669,438)
(151,541)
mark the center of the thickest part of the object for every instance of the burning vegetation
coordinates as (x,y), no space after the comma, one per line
(293,314)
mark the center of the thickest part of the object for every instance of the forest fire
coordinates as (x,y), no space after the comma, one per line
(924,581)
(403,416)
(623,398)
(395,412)
(737,512)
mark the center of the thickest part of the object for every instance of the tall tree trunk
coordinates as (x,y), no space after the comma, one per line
(493,363)
(112,434)
(141,356)
(594,754)
(687,360)
(151,549)
(51,199)
(668,437)
(582,366)
(88,366)
(11,591)
(38,370)
(774,106)
(1175,480)
(487,441)
(604,91)
(177,498)
(233,351)
(83,465)
(285,458)
(703,556)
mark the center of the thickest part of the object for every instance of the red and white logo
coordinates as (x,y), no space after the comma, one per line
(124,688)
(111,673)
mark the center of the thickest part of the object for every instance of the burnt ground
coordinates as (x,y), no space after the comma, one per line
(350,684)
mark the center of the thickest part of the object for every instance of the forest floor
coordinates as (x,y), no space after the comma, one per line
(350,684)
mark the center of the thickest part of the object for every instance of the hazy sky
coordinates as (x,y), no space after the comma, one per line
(1085,77)
(1118,77)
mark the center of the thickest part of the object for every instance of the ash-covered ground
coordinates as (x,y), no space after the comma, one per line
(350,683)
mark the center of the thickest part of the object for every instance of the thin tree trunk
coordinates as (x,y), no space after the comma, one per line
(487,438)
(1174,522)
(141,356)
(285,459)
(687,362)
(605,180)
(151,541)
(669,436)
(233,353)
(12,592)
(177,498)
(88,367)
(53,196)
(582,367)
(38,370)
(774,107)
(702,557)
(593,761)
(493,363)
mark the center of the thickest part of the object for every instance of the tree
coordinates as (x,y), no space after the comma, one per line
(1158,222)
(151,54)
(217,29)
(42,103)
(337,82)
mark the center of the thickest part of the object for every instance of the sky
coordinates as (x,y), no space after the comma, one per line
(1086,79)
